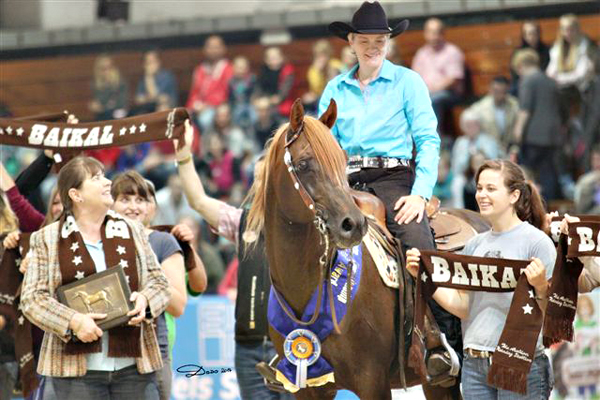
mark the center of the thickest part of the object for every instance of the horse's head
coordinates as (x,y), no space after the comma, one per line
(304,177)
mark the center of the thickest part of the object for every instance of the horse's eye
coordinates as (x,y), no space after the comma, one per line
(302,165)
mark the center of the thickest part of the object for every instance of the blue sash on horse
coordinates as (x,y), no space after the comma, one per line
(320,372)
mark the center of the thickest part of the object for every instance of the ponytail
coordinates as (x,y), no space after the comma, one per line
(530,206)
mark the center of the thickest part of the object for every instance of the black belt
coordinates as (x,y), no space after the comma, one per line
(356,163)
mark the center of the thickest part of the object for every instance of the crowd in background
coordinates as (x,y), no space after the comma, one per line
(546,116)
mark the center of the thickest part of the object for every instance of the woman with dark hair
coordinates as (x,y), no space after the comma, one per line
(531,38)
(514,208)
(89,238)
(132,198)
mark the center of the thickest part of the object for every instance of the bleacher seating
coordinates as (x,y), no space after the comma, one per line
(64,83)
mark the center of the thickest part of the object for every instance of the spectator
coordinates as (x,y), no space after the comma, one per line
(224,167)
(210,83)
(442,67)
(171,202)
(236,140)
(348,59)
(498,112)
(322,69)
(241,88)
(132,157)
(538,125)
(266,123)
(109,90)
(590,111)
(587,189)
(473,141)
(89,371)
(8,365)
(531,38)
(276,81)
(157,89)
(570,57)
(443,187)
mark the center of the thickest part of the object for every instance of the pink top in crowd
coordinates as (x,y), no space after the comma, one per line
(30,219)
(435,65)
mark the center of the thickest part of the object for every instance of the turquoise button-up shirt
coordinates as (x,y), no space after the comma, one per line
(101,361)
(394,110)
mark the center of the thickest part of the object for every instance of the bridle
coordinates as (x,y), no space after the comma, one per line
(321,227)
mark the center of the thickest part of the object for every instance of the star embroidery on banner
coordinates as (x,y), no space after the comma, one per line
(74,246)
(9,130)
(18,262)
(1,131)
(527,309)
(77,260)
(123,263)
(122,131)
(20,131)
(79,275)
(143,127)
(424,277)
(531,295)
(121,250)
(127,279)
(21,320)
(132,129)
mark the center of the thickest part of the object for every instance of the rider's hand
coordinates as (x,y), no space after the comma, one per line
(413,257)
(411,207)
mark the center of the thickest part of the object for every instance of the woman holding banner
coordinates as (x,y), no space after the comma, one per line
(116,364)
(516,213)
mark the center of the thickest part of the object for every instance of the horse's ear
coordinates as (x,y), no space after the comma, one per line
(296,117)
(330,115)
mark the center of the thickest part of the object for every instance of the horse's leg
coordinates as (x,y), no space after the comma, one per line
(440,393)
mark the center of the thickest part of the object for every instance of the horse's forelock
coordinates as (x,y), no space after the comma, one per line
(328,152)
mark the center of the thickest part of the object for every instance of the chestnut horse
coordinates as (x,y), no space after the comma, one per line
(288,198)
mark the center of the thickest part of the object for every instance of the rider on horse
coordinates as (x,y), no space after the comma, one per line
(382,109)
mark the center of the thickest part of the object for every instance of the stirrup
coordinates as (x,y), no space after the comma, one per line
(267,371)
(450,358)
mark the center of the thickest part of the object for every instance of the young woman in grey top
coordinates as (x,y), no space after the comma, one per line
(514,209)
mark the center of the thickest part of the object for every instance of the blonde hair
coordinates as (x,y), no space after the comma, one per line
(567,52)
(111,79)
(8,219)
(525,57)
(49,217)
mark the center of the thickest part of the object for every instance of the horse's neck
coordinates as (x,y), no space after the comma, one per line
(293,251)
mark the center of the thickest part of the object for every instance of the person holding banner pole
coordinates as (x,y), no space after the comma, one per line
(514,208)
(252,343)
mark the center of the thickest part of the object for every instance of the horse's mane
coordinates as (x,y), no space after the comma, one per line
(328,154)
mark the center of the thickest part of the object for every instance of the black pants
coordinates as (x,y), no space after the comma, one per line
(542,160)
(389,185)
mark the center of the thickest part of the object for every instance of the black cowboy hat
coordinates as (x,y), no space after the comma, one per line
(370,18)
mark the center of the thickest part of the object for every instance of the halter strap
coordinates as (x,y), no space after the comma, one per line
(287,158)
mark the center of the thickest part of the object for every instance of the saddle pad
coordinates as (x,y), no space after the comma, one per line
(386,264)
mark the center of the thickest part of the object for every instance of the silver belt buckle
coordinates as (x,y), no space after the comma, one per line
(392,162)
